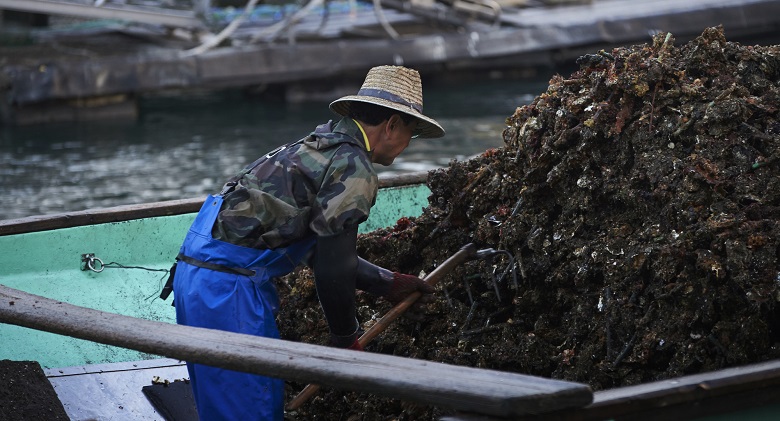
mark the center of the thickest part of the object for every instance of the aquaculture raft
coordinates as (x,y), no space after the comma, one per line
(331,48)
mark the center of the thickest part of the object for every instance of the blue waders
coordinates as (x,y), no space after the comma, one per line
(243,303)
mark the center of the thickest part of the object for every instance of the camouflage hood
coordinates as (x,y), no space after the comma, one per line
(330,134)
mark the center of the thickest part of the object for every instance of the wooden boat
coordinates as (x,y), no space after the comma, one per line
(80,295)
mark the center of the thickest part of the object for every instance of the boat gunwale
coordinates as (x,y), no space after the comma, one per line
(148,210)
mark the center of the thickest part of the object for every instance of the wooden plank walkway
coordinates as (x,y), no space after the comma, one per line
(460,388)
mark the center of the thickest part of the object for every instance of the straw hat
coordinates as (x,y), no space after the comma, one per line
(395,87)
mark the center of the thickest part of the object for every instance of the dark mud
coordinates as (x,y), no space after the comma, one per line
(641,199)
(26,393)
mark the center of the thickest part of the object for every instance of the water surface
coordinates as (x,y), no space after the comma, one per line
(184,147)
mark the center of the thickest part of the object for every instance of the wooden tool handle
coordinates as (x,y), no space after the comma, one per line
(466,252)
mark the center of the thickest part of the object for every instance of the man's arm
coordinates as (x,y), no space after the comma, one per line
(335,265)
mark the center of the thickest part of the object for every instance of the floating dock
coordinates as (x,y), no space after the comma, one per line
(95,71)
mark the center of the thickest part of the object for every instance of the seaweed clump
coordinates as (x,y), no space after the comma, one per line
(640,198)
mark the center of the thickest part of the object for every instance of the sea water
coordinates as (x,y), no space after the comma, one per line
(186,145)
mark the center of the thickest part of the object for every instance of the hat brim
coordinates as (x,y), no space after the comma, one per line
(427,127)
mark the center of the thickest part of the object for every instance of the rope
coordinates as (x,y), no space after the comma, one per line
(278,28)
(93,263)
(226,32)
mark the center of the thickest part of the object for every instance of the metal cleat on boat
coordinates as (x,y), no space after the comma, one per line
(91,262)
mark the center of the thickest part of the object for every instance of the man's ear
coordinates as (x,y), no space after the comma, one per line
(388,125)
(393,121)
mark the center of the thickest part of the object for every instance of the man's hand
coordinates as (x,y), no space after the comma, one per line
(402,286)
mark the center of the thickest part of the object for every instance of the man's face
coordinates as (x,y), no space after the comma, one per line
(396,138)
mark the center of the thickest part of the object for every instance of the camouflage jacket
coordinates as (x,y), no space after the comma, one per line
(320,185)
